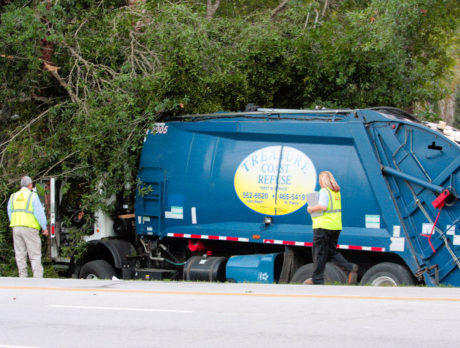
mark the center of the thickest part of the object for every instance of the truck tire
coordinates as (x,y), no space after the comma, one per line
(332,274)
(97,269)
(387,274)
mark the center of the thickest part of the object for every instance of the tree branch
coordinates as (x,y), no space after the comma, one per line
(54,72)
(280,8)
(316,17)
(57,163)
(325,8)
(24,128)
(18,133)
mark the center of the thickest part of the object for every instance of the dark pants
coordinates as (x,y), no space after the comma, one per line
(324,250)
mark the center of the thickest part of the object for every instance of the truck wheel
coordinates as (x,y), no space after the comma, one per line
(332,274)
(387,274)
(97,269)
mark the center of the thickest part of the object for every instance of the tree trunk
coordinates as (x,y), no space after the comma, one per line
(46,47)
(212,8)
(447,108)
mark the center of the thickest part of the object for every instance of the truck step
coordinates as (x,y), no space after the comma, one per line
(155,273)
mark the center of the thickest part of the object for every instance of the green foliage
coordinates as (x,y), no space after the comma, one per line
(142,189)
(457,109)
(20,31)
(7,261)
(428,115)
(77,247)
(121,68)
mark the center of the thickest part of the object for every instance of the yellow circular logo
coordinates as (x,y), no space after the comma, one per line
(275,180)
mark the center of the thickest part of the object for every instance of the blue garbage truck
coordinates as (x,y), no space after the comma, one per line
(223,197)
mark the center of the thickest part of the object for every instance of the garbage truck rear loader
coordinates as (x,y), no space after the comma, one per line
(223,197)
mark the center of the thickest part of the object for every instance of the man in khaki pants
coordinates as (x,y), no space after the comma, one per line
(27,216)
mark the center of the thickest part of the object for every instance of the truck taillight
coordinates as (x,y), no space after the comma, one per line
(53,207)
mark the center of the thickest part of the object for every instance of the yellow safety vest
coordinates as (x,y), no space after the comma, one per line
(332,217)
(22,210)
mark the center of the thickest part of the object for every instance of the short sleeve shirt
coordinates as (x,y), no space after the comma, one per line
(323,198)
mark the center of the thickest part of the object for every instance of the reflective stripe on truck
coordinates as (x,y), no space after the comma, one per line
(270,241)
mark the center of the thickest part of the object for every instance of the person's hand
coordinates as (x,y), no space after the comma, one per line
(310,210)
(45,233)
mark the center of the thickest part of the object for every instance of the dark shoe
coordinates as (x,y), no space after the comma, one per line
(353,275)
(308,282)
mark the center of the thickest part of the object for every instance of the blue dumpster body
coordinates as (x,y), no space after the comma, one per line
(241,180)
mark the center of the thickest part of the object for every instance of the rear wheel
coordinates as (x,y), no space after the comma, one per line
(387,274)
(332,274)
(97,269)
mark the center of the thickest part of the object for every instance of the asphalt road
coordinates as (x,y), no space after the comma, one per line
(97,313)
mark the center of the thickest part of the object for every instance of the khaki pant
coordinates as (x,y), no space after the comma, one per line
(27,242)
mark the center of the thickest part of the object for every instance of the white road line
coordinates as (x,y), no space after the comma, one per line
(13,346)
(122,309)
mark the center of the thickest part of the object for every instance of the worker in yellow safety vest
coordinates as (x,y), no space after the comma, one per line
(327,225)
(27,217)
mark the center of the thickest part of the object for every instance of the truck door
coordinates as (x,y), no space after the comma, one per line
(150,201)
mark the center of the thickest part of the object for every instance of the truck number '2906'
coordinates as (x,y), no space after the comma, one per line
(159,128)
